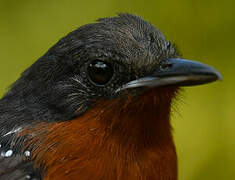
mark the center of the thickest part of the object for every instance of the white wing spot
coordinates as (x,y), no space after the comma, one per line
(27,176)
(9,153)
(27,153)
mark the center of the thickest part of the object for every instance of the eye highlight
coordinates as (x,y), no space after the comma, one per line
(100,72)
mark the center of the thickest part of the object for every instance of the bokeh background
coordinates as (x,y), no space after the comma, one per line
(203,30)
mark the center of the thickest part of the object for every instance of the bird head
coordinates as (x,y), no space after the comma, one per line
(115,57)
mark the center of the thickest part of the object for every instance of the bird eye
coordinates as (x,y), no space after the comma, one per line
(100,72)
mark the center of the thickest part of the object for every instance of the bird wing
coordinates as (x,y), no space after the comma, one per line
(15,165)
(14,168)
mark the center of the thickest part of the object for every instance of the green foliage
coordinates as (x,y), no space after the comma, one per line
(203,30)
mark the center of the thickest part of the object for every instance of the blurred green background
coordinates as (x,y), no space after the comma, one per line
(203,30)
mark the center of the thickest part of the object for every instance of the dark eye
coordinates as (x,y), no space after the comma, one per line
(100,72)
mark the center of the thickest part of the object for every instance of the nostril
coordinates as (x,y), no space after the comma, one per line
(166,66)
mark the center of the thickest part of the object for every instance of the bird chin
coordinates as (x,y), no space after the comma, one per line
(160,91)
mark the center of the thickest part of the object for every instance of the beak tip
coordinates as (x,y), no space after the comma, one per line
(218,75)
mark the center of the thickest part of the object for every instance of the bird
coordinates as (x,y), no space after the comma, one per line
(97,106)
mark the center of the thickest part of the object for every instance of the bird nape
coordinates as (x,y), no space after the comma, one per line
(97,105)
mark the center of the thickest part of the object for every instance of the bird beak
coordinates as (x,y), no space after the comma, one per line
(179,72)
